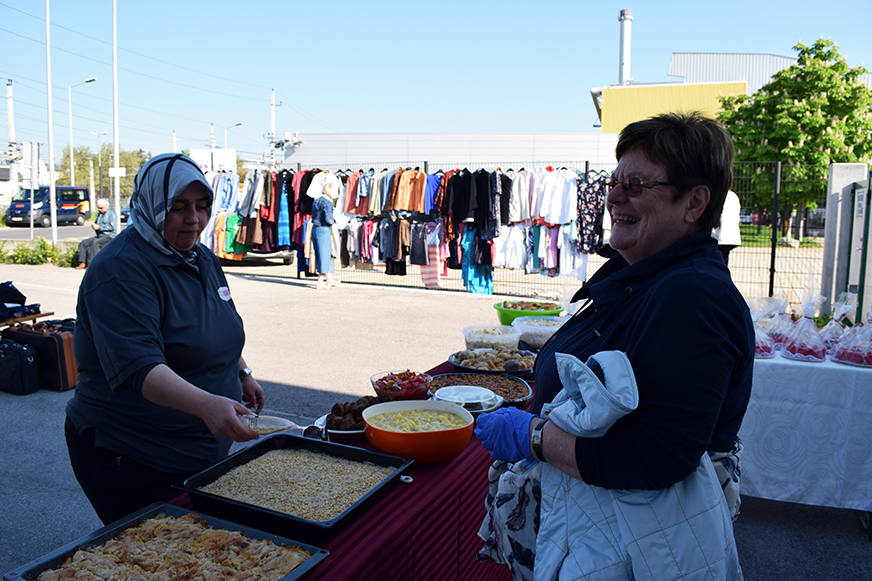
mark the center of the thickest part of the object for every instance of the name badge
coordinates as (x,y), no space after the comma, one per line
(224,293)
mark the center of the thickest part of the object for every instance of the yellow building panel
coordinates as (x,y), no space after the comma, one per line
(624,105)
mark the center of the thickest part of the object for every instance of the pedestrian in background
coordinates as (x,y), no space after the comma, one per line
(104,231)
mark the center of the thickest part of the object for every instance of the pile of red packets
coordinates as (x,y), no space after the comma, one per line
(781,323)
(803,341)
(843,309)
(855,346)
(764,346)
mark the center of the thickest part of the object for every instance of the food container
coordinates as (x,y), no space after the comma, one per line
(476,400)
(514,361)
(536,330)
(507,314)
(491,337)
(515,391)
(31,571)
(278,522)
(423,447)
(402,385)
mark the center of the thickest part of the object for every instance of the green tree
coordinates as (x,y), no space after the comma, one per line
(812,114)
(240,171)
(131,160)
(82,154)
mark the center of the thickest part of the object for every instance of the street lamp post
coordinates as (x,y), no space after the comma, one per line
(100,157)
(70,108)
(225,132)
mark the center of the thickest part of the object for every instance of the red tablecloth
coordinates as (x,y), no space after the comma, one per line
(424,530)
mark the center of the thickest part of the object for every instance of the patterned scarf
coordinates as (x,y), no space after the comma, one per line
(157,185)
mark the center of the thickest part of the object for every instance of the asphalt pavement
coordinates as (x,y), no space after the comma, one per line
(309,349)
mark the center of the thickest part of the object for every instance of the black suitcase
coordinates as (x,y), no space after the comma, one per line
(18,374)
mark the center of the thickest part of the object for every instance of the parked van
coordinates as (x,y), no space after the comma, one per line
(72,203)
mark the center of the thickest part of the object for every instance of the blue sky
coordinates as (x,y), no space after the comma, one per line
(360,67)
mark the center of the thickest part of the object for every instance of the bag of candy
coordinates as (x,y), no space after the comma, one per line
(803,341)
(780,324)
(845,307)
(764,347)
(855,346)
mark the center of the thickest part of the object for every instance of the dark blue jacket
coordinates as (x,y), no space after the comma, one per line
(688,333)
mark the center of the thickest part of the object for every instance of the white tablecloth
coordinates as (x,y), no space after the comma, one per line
(808,434)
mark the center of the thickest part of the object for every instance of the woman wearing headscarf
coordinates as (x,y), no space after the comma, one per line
(158,345)
(322,235)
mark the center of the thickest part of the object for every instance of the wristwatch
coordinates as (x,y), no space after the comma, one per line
(536,440)
(244,373)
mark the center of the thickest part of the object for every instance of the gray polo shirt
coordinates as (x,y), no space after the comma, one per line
(138,308)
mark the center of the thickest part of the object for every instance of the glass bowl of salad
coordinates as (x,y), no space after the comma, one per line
(402,385)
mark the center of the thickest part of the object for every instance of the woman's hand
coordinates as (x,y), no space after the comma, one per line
(220,415)
(506,434)
(252,394)
(164,387)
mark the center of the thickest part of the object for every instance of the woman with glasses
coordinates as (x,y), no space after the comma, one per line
(158,345)
(658,362)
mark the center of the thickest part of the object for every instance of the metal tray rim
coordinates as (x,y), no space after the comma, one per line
(269,444)
(31,570)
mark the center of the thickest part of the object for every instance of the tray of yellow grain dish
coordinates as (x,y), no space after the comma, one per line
(291,485)
(163,541)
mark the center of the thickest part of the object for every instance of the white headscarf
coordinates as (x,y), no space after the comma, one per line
(157,185)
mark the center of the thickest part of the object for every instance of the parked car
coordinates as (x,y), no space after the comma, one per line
(71,206)
(744,216)
(125,213)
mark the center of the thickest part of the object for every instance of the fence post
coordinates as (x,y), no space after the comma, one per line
(776,214)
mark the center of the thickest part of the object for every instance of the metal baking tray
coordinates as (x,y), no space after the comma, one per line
(278,522)
(54,559)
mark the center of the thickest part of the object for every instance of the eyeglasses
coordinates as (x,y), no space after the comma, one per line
(633,186)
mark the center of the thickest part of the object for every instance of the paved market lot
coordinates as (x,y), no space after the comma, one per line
(310,349)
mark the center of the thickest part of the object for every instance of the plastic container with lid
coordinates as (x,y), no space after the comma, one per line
(491,336)
(474,399)
(536,330)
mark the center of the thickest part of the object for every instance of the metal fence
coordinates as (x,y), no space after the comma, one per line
(767,263)
(782,224)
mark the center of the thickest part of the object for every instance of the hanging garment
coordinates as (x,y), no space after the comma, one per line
(477,278)
(516,247)
(591,211)
(430,272)
(418,244)
(519,197)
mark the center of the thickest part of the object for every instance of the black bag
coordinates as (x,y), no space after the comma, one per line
(10,294)
(18,374)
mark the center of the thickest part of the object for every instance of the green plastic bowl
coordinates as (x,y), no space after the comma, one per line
(507,316)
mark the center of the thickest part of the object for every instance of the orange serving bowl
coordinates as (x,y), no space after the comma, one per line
(424,447)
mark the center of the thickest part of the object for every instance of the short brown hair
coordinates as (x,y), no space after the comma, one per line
(694,149)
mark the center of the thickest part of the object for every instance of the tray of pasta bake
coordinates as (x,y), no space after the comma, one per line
(291,485)
(171,542)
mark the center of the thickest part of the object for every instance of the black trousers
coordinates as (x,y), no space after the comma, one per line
(89,247)
(115,485)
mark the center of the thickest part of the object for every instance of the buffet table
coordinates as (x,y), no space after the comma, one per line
(423,530)
(808,434)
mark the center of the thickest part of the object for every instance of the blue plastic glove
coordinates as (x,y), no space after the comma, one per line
(506,434)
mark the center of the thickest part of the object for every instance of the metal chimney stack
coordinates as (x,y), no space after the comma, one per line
(626,19)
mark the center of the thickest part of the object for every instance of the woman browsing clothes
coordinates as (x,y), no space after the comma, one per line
(649,380)
(322,235)
(158,344)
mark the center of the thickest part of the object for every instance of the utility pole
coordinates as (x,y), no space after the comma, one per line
(272,129)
